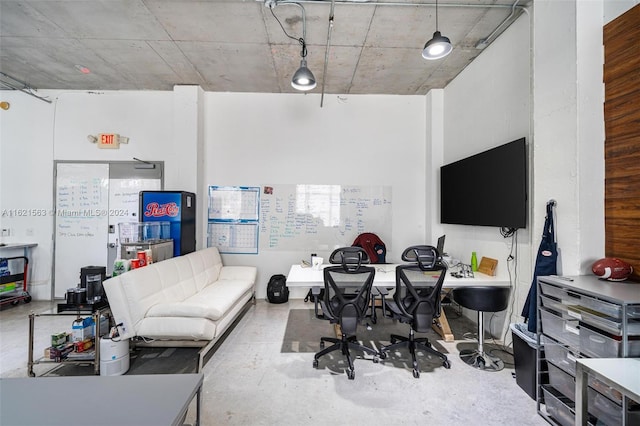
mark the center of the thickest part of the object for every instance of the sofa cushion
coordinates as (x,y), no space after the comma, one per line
(177,328)
(205,267)
(211,303)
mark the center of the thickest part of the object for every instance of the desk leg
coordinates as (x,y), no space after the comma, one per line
(30,358)
(338,331)
(198,401)
(581,395)
(441,326)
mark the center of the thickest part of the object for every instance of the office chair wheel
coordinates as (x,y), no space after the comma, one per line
(315,363)
(383,354)
(446,364)
(351,374)
(416,373)
(376,359)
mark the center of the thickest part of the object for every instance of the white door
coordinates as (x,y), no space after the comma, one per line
(90,200)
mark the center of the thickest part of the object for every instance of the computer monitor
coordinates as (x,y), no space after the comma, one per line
(440,246)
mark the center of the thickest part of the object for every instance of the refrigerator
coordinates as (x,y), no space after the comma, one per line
(176,207)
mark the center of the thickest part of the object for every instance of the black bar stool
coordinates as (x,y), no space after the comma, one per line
(482,299)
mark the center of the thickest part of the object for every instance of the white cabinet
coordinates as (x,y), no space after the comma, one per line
(585,317)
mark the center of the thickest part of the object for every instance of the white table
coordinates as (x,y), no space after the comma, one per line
(154,400)
(304,276)
(622,374)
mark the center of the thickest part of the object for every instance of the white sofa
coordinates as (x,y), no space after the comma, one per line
(189,300)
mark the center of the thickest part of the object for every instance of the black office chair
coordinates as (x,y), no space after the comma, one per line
(347,294)
(416,301)
(482,299)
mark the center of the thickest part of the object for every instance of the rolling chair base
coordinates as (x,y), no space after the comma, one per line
(414,344)
(344,345)
(481,361)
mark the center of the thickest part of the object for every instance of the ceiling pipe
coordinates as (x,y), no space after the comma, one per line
(480,45)
(412,4)
(326,52)
(24,89)
(485,41)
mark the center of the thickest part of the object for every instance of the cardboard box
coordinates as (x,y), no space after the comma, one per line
(82,329)
(83,345)
(59,352)
(59,339)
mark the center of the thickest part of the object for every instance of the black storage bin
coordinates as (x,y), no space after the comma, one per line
(524,357)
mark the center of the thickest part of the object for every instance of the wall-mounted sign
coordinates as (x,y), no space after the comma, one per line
(109,140)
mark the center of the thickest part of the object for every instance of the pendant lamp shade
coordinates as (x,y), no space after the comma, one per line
(303,78)
(438,47)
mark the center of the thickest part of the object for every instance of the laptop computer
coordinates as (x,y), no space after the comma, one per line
(440,245)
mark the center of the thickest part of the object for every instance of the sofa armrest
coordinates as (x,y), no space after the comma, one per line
(243,273)
(119,306)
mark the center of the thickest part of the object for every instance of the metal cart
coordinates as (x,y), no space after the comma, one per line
(13,284)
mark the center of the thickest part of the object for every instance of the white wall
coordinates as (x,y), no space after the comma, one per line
(615,8)
(255,139)
(258,139)
(35,133)
(278,139)
(487,105)
(26,170)
(569,128)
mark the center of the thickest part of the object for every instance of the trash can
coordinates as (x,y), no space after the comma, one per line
(524,357)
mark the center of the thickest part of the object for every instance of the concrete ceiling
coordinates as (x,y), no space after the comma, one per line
(238,46)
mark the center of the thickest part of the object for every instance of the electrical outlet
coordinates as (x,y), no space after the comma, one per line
(6,232)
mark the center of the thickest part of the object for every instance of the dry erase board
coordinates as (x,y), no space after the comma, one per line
(81,218)
(322,217)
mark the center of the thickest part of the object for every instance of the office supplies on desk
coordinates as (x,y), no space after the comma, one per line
(316,262)
(488,266)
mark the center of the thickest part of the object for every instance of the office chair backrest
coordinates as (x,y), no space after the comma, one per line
(418,292)
(347,288)
(351,258)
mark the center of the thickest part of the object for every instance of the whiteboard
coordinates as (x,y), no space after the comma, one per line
(322,217)
(233,203)
(81,221)
(238,238)
(233,219)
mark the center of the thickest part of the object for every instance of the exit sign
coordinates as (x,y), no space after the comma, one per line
(108,140)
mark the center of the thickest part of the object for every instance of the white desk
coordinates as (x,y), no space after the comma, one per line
(156,399)
(385,277)
(25,247)
(622,374)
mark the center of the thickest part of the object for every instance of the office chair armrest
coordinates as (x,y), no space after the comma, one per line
(325,312)
(390,308)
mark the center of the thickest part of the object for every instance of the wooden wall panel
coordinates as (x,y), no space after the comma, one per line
(622,138)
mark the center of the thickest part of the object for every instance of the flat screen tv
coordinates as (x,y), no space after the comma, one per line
(487,189)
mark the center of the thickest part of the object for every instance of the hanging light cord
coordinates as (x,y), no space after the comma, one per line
(300,40)
(436,15)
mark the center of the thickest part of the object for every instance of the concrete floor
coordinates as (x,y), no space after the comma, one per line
(248,381)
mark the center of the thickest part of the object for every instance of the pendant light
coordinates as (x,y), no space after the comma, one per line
(439,46)
(303,78)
